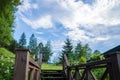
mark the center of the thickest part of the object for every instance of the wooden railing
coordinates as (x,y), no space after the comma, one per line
(25,67)
(111,66)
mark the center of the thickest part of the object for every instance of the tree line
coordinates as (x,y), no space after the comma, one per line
(35,48)
(79,53)
(76,54)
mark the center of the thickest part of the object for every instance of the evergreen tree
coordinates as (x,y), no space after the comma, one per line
(78,50)
(48,51)
(45,51)
(88,51)
(68,48)
(82,51)
(7,10)
(33,44)
(96,52)
(22,41)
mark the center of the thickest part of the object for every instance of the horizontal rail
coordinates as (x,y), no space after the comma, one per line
(33,63)
(90,64)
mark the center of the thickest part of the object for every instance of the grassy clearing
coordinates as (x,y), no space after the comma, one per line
(51,66)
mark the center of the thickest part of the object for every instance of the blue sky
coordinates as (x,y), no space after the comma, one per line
(96,22)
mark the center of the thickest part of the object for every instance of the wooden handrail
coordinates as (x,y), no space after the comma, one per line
(84,71)
(26,67)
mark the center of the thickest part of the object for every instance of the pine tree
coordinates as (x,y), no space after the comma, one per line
(68,48)
(22,41)
(33,44)
(45,51)
(88,51)
(82,51)
(78,51)
(48,51)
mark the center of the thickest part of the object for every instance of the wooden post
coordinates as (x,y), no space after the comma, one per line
(32,74)
(38,75)
(69,73)
(21,64)
(39,63)
(114,65)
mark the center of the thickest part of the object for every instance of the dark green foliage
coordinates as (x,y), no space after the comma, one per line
(68,48)
(81,51)
(13,46)
(22,41)
(33,44)
(7,10)
(45,51)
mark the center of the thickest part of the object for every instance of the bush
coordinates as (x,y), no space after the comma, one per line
(82,60)
(95,57)
(6,64)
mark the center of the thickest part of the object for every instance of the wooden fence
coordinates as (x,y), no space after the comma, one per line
(111,66)
(25,67)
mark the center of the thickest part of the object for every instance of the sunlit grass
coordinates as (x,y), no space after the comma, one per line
(46,66)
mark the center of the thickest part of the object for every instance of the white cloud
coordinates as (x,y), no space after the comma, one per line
(39,33)
(97,18)
(57,45)
(26,6)
(85,15)
(42,22)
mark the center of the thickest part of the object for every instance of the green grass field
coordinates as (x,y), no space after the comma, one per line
(51,67)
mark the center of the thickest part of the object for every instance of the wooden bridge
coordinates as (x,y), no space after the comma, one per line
(27,69)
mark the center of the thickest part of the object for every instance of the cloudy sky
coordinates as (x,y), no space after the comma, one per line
(96,22)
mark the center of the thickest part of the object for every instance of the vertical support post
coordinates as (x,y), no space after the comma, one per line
(21,64)
(39,63)
(63,63)
(77,74)
(32,74)
(88,73)
(38,75)
(69,75)
(114,66)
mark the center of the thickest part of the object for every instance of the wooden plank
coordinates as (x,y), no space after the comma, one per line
(33,67)
(33,63)
(66,60)
(32,74)
(104,74)
(38,75)
(77,74)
